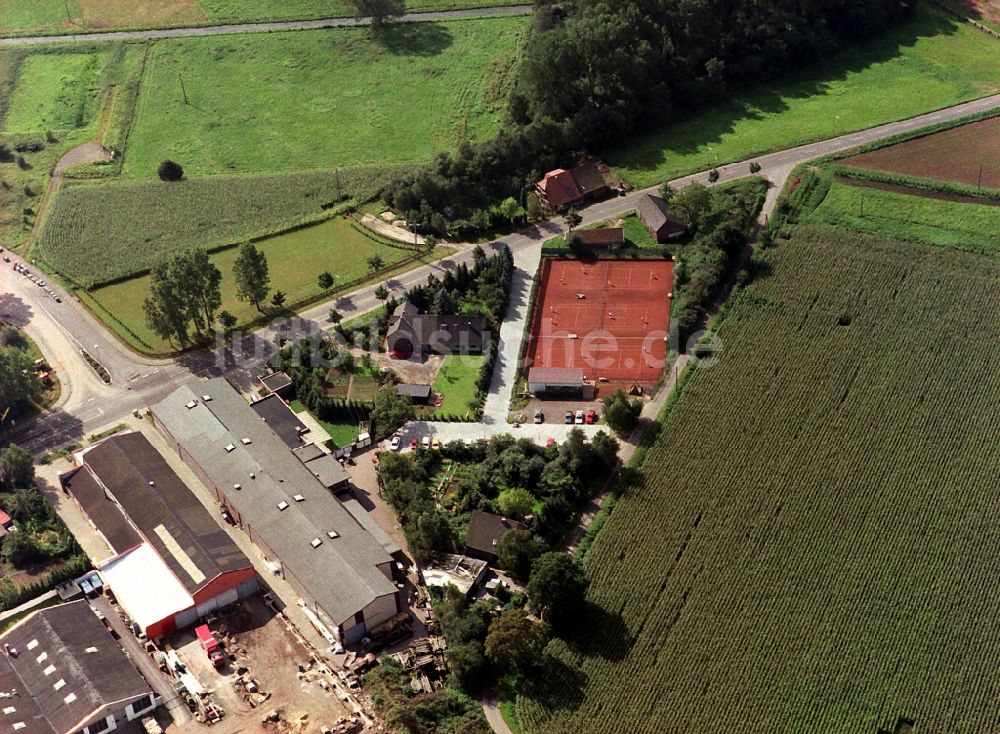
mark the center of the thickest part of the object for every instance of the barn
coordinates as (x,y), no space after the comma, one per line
(556,381)
(172,563)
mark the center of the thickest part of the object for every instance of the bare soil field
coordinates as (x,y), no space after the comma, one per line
(950,155)
(912,191)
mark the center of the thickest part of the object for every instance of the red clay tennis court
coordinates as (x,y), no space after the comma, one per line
(608,317)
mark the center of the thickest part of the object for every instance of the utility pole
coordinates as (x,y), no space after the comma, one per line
(183,90)
(980,176)
(862,205)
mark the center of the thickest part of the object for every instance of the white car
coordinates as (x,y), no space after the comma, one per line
(425,442)
(580,417)
(394,443)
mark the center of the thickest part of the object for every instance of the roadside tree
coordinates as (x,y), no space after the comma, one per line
(18,381)
(250,271)
(17,468)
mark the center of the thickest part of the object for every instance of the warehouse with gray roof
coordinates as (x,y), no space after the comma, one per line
(61,672)
(336,561)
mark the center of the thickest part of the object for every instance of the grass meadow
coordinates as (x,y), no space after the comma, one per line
(833,566)
(55,92)
(325,98)
(20,17)
(295,260)
(921,219)
(929,62)
(456,382)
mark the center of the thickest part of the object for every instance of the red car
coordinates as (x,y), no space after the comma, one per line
(591,416)
(413,444)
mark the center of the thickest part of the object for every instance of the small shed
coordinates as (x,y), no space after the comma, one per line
(329,472)
(655,215)
(278,383)
(416,393)
(605,237)
(555,381)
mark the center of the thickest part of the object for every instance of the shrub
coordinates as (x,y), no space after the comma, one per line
(170,171)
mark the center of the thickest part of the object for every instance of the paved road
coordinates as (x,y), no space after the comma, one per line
(294,25)
(61,330)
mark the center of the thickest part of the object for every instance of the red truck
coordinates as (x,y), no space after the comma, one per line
(210,645)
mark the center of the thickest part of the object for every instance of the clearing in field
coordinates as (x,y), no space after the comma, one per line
(928,62)
(608,317)
(925,219)
(324,98)
(813,545)
(54,92)
(295,260)
(968,154)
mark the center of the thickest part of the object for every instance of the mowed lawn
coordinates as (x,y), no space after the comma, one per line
(917,218)
(70,16)
(295,260)
(325,98)
(54,92)
(456,382)
(836,568)
(929,62)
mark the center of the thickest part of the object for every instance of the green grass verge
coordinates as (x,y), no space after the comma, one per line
(295,260)
(103,231)
(928,62)
(316,99)
(908,217)
(12,620)
(456,382)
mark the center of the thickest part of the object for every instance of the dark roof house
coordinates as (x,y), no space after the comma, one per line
(68,673)
(484,533)
(654,213)
(561,188)
(422,334)
(278,383)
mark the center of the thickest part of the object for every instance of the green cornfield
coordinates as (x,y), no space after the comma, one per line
(98,233)
(814,547)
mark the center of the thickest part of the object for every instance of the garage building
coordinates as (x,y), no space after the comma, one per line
(556,381)
(172,562)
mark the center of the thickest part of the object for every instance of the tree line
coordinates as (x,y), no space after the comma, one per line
(597,70)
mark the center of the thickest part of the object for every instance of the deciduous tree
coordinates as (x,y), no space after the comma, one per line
(514,642)
(517,550)
(557,588)
(250,271)
(17,468)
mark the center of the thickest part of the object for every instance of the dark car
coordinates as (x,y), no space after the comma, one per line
(569,416)
(539,416)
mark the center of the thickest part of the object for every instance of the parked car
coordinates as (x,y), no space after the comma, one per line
(550,442)
(539,416)
(413,443)
(425,442)
(591,416)
(394,443)
(436,444)
(579,416)
(569,416)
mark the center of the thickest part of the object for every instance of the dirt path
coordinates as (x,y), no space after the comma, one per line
(295,25)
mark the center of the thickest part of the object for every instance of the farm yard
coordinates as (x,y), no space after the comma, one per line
(21,17)
(295,260)
(325,98)
(968,154)
(836,567)
(930,61)
(930,221)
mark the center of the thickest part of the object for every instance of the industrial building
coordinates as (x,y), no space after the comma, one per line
(172,563)
(61,672)
(331,553)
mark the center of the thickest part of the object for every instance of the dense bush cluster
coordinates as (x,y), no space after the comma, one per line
(595,71)
(309,379)
(556,479)
(18,382)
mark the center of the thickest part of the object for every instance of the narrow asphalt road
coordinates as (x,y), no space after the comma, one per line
(62,330)
(236,28)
